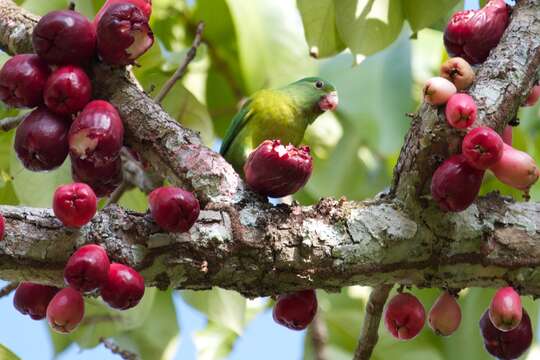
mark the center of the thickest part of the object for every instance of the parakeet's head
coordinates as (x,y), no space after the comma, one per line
(315,94)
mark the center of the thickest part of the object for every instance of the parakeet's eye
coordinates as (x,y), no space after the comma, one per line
(319,84)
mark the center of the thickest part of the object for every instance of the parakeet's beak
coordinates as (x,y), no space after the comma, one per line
(329,101)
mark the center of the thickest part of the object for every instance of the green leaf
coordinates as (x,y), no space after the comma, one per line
(319,19)
(224,307)
(424,13)
(214,342)
(6,354)
(41,7)
(368,26)
(134,199)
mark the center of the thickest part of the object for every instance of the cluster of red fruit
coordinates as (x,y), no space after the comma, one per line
(505,326)
(456,182)
(56,82)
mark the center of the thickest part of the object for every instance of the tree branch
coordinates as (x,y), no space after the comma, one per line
(319,337)
(370,328)
(8,289)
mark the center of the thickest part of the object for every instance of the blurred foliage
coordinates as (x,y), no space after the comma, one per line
(249,45)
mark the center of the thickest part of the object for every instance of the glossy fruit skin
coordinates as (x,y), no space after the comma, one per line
(404,316)
(460,111)
(516,168)
(32,299)
(144,5)
(507,345)
(507,135)
(67,90)
(102,179)
(459,72)
(64,37)
(2,227)
(471,34)
(97,134)
(74,204)
(22,80)
(123,34)
(295,311)
(41,140)
(276,170)
(505,309)
(124,287)
(445,315)
(65,311)
(482,147)
(438,90)
(533,96)
(87,269)
(173,209)
(455,184)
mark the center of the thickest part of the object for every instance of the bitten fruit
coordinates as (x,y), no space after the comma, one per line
(482,147)
(459,72)
(445,315)
(471,34)
(506,345)
(124,287)
(41,141)
(32,299)
(87,269)
(97,134)
(74,204)
(123,34)
(516,168)
(295,311)
(144,5)
(438,90)
(173,209)
(275,170)
(65,311)
(505,309)
(455,184)
(64,37)
(404,316)
(460,111)
(67,90)
(22,79)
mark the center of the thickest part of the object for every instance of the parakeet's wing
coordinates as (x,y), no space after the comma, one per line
(239,121)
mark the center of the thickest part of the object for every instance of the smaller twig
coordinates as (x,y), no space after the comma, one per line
(369,335)
(115,349)
(6,290)
(11,122)
(118,193)
(319,337)
(181,71)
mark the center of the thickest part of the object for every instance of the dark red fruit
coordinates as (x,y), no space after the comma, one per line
(87,269)
(505,309)
(516,168)
(460,111)
(533,96)
(74,204)
(124,287)
(445,315)
(455,184)
(2,226)
(404,316)
(22,79)
(64,37)
(41,140)
(482,147)
(102,179)
(276,170)
(173,209)
(65,311)
(67,90)
(123,34)
(144,5)
(32,299)
(97,134)
(471,34)
(296,311)
(506,345)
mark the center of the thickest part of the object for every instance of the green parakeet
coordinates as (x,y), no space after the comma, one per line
(272,114)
